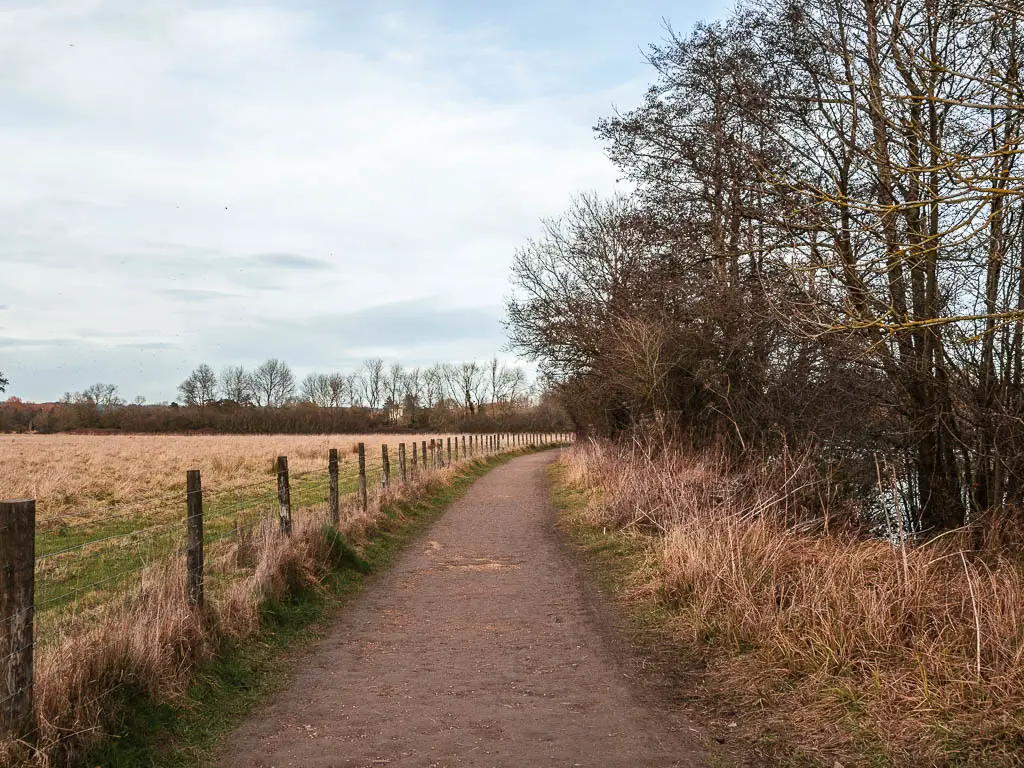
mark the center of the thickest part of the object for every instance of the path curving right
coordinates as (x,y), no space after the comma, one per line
(481,647)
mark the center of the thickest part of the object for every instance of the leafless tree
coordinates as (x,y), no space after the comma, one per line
(101,396)
(373,382)
(200,388)
(434,384)
(273,384)
(395,383)
(316,389)
(236,385)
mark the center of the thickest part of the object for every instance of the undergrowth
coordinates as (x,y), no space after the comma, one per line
(836,645)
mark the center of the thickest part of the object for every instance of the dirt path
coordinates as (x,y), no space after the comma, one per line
(480,647)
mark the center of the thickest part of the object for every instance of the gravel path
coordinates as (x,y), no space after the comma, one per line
(481,647)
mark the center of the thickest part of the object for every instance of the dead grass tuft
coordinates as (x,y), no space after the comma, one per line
(849,644)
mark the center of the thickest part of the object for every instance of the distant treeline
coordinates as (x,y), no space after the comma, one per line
(467,397)
(298,418)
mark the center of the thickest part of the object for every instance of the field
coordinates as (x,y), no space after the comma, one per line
(76,473)
(108,506)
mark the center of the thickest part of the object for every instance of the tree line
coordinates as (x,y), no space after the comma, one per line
(822,248)
(469,385)
(470,396)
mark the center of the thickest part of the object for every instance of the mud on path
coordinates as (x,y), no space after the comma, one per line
(481,647)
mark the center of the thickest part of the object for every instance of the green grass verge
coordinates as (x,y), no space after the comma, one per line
(183,734)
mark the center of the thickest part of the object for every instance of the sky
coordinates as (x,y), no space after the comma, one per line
(321,182)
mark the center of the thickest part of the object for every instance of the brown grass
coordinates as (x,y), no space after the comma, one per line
(69,472)
(851,646)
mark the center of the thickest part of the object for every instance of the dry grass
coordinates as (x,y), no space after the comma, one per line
(149,640)
(855,648)
(66,473)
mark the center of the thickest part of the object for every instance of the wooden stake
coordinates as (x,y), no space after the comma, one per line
(194,528)
(333,503)
(17,601)
(284,497)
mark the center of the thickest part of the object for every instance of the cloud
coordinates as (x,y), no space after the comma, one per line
(285,261)
(310,180)
(194,295)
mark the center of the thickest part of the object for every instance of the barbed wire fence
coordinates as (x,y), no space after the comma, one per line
(59,573)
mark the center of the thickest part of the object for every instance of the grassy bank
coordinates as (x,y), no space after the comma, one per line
(822,645)
(156,683)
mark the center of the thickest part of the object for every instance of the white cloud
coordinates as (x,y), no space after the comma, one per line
(157,149)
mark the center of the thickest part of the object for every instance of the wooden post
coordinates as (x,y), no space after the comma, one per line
(17,601)
(464,454)
(450,448)
(194,528)
(433,455)
(333,503)
(386,463)
(456,447)
(415,453)
(284,497)
(401,463)
(424,457)
(362,475)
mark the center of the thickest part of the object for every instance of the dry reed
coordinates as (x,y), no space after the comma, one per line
(917,650)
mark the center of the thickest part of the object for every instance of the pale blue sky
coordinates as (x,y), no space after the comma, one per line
(320,182)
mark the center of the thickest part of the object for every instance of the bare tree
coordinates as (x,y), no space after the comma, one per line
(354,389)
(373,382)
(413,386)
(395,383)
(337,387)
(200,388)
(101,396)
(316,389)
(434,385)
(273,383)
(236,385)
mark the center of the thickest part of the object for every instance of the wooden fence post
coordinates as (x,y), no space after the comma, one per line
(284,497)
(456,447)
(401,463)
(386,463)
(450,448)
(17,605)
(362,475)
(464,454)
(194,527)
(415,453)
(333,503)
(424,456)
